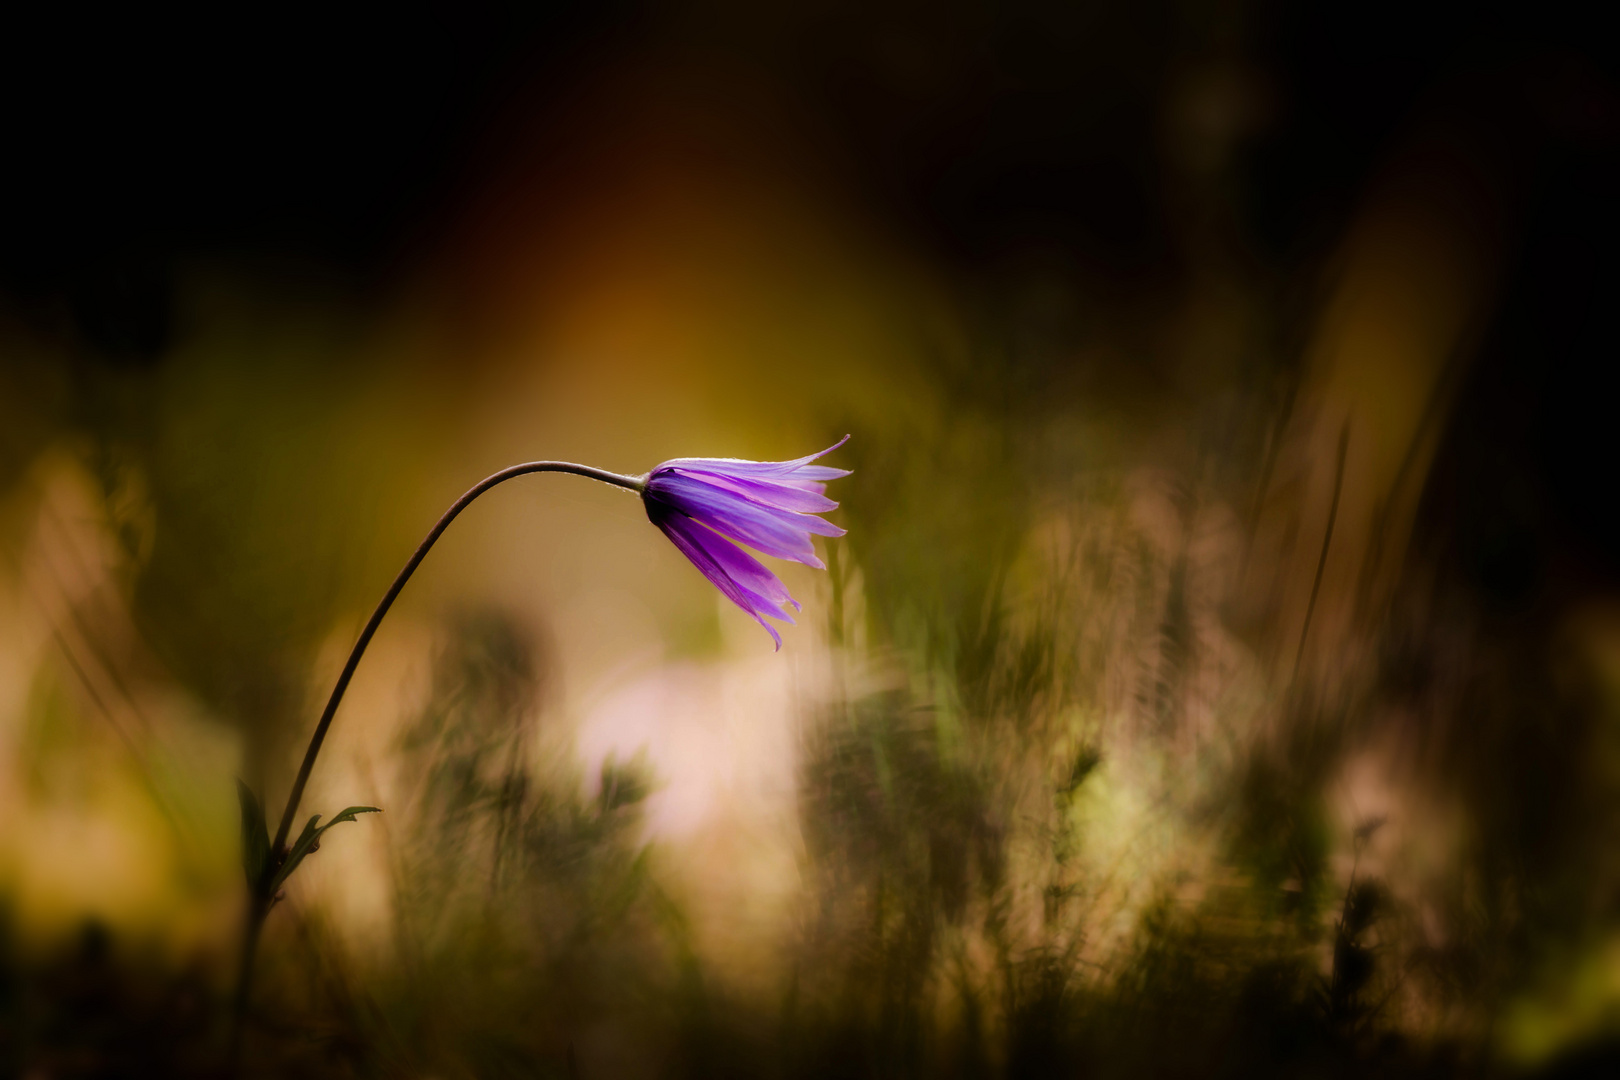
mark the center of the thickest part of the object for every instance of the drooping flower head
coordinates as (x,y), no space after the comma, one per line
(768,505)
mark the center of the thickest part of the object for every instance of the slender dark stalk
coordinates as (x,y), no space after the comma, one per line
(1273,450)
(258,908)
(1327,538)
(261,900)
(1441,395)
(633,483)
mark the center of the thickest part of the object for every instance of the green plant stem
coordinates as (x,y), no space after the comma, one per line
(261,900)
(258,908)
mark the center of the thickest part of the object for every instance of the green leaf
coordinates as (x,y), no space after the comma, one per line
(255,836)
(310,837)
(350,814)
(301,847)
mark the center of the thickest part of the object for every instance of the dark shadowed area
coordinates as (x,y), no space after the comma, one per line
(1220,675)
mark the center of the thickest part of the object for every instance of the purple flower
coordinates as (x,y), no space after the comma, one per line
(768,505)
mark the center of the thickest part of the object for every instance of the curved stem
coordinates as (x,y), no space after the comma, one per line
(632,483)
(261,900)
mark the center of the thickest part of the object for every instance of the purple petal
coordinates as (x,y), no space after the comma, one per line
(800,468)
(782,533)
(804,497)
(768,505)
(739,576)
(819,473)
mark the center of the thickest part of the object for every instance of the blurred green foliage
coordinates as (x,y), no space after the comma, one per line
(977,900)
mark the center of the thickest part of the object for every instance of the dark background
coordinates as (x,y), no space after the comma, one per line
(133,140)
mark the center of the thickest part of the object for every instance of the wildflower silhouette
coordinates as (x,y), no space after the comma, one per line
(696,502)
